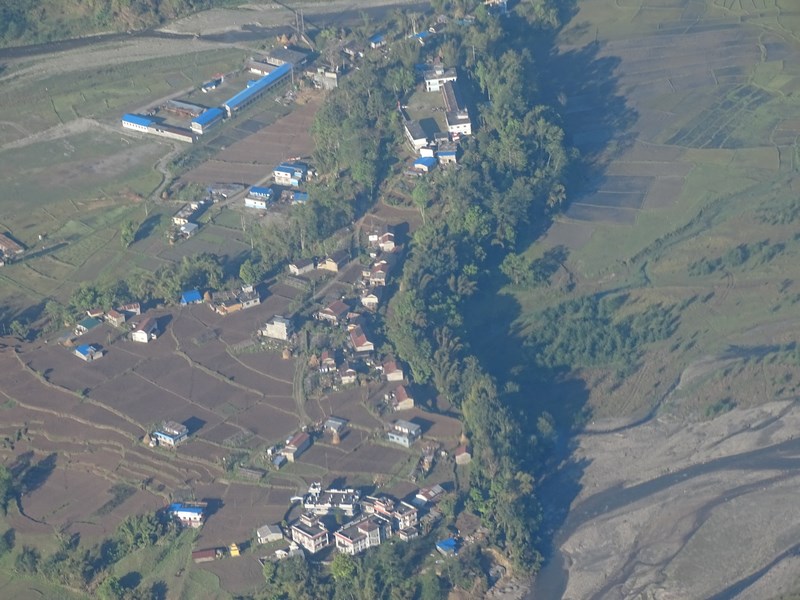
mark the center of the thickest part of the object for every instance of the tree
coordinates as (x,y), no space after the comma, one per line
(343,568)
(516,267)
(127,233)
(7,490)
(421,196)
(20,329)
(27,560)
(249,273)
(7,542)
(111,589)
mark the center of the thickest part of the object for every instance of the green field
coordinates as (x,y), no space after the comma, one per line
(718,239)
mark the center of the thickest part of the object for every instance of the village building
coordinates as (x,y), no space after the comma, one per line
(146,330)
(206,120)
(447,153)
(402,400)
(191,297)
(269,533)
(290,174)
(86,325)
(436,77)
(365,532)
(404,433)
(134,308)
(322,502)
(171,434)
(310,533)
(401,515)
(296,446)
(392,371)
(424,164)
(9,247)
(415,134)
(428,495)
(255,91)
(370,298)
(377,41)
(259,197)
(335,425)
(334,261)
(462,455)
(187,514)
(359,341)
(301,266)
(87,352)
(292,550)
(386,242)
(207,555)
(327,362)
(227,302)
(278,328)
(377,274)
(347,375)
(116,318)
(334,313)
(95,313)
(447,547)
(189,230)
(456,114)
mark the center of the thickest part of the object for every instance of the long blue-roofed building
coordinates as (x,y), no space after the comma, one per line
(249,95)
(137,122)
(206,120)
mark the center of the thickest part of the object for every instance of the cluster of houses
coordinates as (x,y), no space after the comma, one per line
(141,330)
(373,520)
(288,177)
(185,220)
(224,302)
(439,148)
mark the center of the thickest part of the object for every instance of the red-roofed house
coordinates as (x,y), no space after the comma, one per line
(296,446)
(334,313)
(402,399)
(392,372)
(359,341)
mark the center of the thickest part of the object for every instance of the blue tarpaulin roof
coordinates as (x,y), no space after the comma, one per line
(261,191)
(208,116)
(258,87)
(137,120)
(190,297)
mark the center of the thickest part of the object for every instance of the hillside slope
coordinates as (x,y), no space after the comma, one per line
(35,21)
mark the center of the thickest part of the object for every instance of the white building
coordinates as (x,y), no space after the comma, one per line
(279,328)
(437,77)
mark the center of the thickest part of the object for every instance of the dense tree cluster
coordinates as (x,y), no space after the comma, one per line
(30,21)
(390,572)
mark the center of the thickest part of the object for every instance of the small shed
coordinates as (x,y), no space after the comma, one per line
(269,533)
(425,164)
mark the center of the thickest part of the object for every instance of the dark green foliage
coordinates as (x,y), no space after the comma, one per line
(27,560)
(586,332)
(120,492)
(720,407)
(755,254)
(7,491)
(7,542)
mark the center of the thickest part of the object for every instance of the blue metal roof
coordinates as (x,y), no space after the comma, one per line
(284,169)
(427,161)
(300,196)
(261,191)
(258,87)
(190,297)
(376,39)
(448,545)
(177,506)
(208,116)
(422,34)
(136,120)
(446,153)
(84,349)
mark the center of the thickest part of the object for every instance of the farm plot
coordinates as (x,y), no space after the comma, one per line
(271,424)
(370,459)
(252,159)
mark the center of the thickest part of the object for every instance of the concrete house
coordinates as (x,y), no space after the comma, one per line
(347,375)
(386,242)
(456,114)
(290,174)
(462,455)
(415,134)
(436,77)
(171,434)
(424,164)
(335,425)
(145,331)
(310,533)
(188,515)
(191,297)
(296,446)
(134,308)
(404,433)
(278,328)
(365,532)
